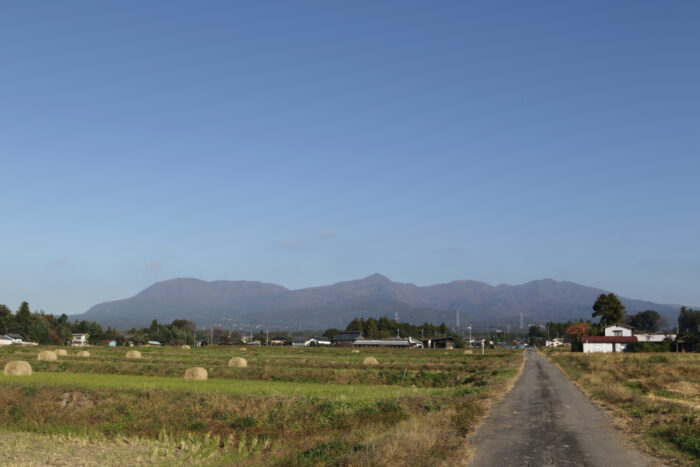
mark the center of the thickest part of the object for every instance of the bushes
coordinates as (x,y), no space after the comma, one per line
(646,347)
(685,436)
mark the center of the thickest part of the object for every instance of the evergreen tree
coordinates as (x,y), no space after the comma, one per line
(609,308)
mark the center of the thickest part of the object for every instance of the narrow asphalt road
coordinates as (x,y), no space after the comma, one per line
(546,421)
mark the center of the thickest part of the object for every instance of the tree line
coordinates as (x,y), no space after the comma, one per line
(45,328)
(384,327)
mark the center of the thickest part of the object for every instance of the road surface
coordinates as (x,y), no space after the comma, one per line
(546,421)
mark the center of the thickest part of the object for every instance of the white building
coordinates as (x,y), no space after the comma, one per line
(79,340)
(556,342)
(311,341)
(654,338)
(617,338)
(4,340)
(16,338)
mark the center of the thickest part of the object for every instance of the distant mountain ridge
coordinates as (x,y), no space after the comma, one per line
(250,304)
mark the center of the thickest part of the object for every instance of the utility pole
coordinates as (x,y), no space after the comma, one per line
(267,338)
(470,334)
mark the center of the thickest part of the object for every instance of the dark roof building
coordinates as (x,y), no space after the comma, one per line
(347,337)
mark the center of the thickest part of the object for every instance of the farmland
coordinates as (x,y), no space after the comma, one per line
(289,406)
(653,397)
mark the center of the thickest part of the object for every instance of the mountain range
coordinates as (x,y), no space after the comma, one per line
(247,305)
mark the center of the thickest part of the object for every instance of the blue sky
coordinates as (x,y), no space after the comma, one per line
(304,143)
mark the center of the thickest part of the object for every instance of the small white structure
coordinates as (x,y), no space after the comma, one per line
(4,340)
(79,340)
(310,341)
(156,343)
(16,338)
(556,342)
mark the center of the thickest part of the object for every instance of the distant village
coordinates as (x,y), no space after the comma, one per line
(616,332)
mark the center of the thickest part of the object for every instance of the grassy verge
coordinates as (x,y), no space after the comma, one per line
(653,397)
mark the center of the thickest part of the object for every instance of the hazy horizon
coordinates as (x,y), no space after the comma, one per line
(312,143)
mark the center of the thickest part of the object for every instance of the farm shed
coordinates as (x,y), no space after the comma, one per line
(400,343)
(347,337)
(440,343)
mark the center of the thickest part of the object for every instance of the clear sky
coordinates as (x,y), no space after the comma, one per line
(304,143)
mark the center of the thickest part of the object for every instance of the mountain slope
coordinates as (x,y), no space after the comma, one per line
(236,304)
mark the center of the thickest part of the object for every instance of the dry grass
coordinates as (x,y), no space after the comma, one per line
(197,373)
(654,397)
(33,449)
(419,440)
(17,368)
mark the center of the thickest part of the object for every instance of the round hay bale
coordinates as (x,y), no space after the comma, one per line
(17,368)
(370,361)
(47,356)
(197,373)
(243,349)
(83,353)
(61,352)
(133,354)
(355,351)
(239,362)
(185,347)
(468,352)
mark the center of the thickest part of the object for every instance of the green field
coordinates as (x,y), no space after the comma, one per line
(289,406)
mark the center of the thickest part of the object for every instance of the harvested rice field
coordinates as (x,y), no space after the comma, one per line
(286,406)
(654,397)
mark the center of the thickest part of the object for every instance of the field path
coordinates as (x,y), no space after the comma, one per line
(546,421)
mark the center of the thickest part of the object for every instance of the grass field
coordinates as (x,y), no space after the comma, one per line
(655,397)
(290,406)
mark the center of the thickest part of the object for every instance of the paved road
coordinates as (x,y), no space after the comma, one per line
(546,421)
